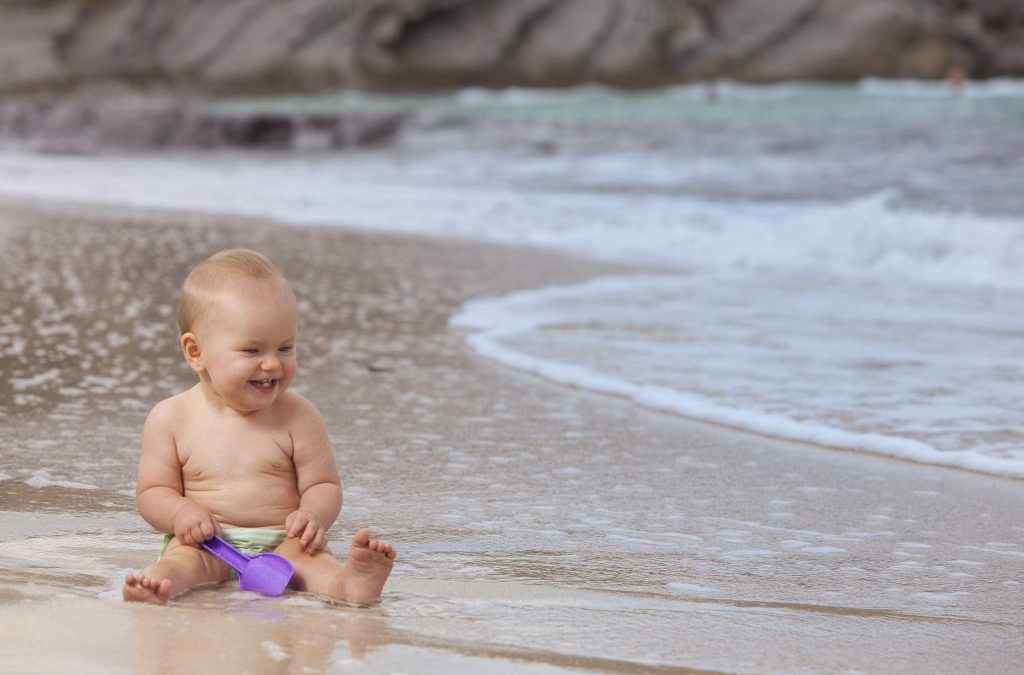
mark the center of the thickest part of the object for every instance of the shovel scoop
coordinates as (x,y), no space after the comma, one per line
(266,573)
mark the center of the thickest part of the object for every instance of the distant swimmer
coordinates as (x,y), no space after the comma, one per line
(957,78)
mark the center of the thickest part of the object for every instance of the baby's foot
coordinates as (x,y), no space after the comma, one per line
(140,588)
(367,568)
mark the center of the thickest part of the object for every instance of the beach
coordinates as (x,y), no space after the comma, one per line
(540,528)
(634,382)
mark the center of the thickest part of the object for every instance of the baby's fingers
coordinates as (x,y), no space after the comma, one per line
(182,534)
(309,534)
(198,535)
(298,525)
(207,529)
(319,541)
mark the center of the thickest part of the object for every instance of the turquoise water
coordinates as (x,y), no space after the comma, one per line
(726,103)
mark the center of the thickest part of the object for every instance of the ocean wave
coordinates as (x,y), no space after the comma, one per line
(999,87)
(871,236)
(520,330)
(727,89)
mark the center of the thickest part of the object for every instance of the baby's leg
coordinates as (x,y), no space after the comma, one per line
(360,580)
(181,569)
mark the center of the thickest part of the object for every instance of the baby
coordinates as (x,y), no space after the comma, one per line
(238,454)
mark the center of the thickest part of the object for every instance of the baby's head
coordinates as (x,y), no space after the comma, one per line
(239,322)
(232,270)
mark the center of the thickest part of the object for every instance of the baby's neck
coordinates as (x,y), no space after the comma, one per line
(206,396)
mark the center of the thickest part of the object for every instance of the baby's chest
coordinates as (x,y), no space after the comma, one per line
(224,454)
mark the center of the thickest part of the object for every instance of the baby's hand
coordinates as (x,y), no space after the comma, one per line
(193,524)
(304,524)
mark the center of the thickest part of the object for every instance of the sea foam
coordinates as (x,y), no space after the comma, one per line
(658,344)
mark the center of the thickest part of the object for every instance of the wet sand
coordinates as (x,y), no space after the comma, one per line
(539,528)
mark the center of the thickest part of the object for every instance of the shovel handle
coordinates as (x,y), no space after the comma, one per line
(227,553)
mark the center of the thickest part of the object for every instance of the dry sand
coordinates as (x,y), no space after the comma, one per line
(785,557)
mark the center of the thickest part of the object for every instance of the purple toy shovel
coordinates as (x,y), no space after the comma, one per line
(266,573)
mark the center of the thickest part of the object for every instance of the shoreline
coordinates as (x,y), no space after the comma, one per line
(698,410)
(757,552)
(609,206)
(485,336)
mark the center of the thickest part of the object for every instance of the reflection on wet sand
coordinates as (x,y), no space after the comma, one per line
(248,634)
(542,528)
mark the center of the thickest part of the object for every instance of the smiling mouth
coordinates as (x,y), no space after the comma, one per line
(264,386)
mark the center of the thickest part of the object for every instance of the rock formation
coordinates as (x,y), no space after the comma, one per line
(244,46)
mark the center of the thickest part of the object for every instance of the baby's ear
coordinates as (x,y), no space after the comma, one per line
(190,348)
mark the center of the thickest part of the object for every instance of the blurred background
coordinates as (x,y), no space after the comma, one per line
(77,74)
(798,218)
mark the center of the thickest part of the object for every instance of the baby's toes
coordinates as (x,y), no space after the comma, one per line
(383,548)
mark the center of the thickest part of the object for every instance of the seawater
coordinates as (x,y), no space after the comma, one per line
(834,264)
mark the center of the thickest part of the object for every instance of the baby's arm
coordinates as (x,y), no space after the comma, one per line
(159,491)
(317,478)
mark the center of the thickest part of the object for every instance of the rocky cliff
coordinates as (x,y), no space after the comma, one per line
(237,46)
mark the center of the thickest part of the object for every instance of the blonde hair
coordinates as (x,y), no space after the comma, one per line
(219,272)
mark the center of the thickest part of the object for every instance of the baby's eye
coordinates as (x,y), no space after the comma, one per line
(252,351)
(287,350)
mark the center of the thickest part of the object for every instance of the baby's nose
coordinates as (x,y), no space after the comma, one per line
(271,363)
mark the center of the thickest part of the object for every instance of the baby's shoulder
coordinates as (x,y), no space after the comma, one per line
(170,411)
(296,407)
(304,423)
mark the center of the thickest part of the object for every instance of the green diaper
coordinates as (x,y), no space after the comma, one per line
(248,540)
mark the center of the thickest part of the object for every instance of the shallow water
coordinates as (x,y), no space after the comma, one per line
(843,221)
(922,373)
(542,527)
(538,528)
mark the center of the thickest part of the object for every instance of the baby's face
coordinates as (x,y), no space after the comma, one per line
(247,343)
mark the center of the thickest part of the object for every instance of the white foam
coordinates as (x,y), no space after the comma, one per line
(500,324)
(866,237)
(42,478)
(690,588)
(793,543)
(998,87)
(274,650)
(750,553)
(45,377)
(939,598)
(730,90)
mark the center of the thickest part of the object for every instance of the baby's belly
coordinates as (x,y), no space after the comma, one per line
(247,504)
